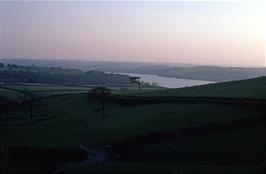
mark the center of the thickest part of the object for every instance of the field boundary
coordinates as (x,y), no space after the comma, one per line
(197,99)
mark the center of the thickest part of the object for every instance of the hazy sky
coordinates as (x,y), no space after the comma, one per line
(185,32)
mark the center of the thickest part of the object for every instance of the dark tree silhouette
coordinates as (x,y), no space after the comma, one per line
(135,80)
(100,93)
(2,65)
(31,103)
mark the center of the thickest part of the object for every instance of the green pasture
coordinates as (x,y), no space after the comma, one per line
(72,119)
(44,90)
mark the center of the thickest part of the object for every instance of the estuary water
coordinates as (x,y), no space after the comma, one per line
(168,82)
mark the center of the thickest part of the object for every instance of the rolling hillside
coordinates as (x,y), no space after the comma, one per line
(191,134)
(250,88)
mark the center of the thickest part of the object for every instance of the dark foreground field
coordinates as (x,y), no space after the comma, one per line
(172,137)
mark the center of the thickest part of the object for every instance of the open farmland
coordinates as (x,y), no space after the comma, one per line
(195,131)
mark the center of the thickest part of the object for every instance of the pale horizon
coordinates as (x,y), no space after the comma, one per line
(207,33)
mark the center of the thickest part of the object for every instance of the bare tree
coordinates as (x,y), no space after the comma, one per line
(135,80)
(31,103)
(100,93)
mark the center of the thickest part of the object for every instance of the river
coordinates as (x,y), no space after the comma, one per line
(168,82)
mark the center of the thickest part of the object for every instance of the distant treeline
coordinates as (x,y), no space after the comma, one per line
(12,73)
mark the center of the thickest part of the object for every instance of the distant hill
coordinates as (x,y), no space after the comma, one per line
(208,73)
(212,73)
(57,75)
(183,71)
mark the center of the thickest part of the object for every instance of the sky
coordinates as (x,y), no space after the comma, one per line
(208,32)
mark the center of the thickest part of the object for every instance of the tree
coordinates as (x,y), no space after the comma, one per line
(2,65)
(100,93)
(135,80)
(31,103)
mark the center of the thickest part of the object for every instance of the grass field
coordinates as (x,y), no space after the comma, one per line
(69,120)
(44,90)
(9,94)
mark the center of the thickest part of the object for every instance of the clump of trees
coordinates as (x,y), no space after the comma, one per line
(99,94)
(135,80)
